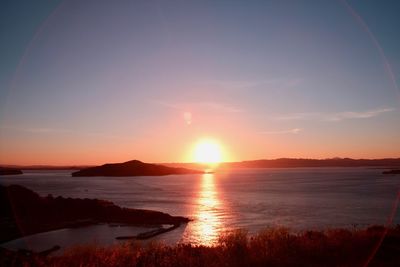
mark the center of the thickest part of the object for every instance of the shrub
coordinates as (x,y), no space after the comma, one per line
(270,247)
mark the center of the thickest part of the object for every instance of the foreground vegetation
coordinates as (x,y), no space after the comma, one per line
(271,247)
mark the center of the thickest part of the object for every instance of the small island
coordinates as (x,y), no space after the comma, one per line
(9,171)
(24,212)
(133,168)
(397,171)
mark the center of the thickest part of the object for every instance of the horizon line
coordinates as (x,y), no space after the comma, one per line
(198,163)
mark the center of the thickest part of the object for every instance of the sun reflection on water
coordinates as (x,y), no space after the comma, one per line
(208,224)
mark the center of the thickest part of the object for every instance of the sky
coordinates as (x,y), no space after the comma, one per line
(89,82)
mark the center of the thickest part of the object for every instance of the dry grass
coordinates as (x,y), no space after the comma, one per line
(271,247)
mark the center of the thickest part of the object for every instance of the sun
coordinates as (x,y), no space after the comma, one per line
(207,151)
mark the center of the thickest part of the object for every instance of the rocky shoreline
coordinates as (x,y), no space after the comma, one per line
(23,212)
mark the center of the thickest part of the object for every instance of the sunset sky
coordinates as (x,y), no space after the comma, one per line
(88,82)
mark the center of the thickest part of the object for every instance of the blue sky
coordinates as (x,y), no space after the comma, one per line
(267,78)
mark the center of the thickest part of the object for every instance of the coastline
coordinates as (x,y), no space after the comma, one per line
(24,212)
(202,182)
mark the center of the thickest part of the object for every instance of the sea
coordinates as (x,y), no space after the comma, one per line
(249,199)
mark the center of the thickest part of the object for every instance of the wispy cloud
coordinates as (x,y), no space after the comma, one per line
(44,130)
(220,107)
(297,116)
(289,131)
(49,131)
(216,106)
(334,116)
(359,115)
(246,84)
(33,129)
(234,84)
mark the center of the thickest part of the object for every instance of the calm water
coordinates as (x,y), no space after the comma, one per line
(299,198)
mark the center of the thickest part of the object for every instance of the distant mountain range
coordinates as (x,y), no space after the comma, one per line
(335,162)
(295,163)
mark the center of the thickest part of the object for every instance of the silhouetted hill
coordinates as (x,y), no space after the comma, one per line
(335,162)
(133,168)
(392,172)
(294,163)
(9,171)
(23,212)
